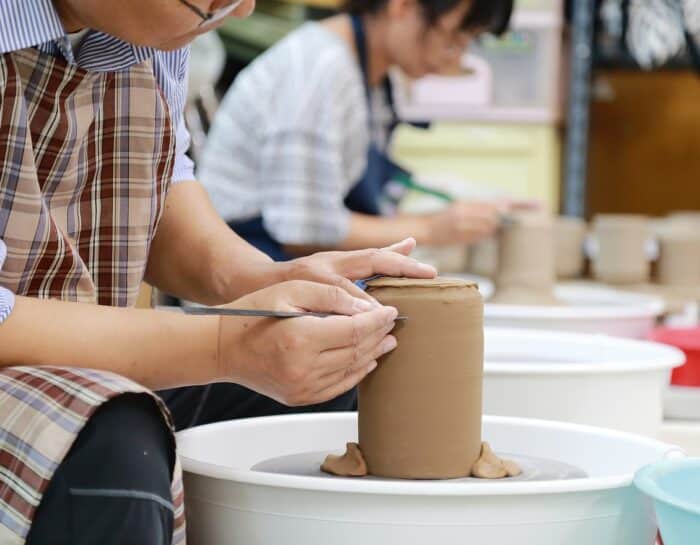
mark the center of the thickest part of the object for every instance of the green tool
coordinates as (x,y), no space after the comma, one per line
(406,180)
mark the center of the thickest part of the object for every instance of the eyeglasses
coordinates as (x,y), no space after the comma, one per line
(211,16)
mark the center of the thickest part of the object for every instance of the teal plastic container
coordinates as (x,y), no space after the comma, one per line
(674,486)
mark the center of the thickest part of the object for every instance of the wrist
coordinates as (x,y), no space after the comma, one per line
(230,280)
(232,349)
(425,233)
(195,349)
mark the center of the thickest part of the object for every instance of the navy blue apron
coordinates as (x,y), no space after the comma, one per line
(369,195)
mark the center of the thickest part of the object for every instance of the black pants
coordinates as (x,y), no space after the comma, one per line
(113,487)
(196,405)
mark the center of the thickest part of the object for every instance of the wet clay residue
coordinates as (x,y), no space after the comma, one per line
(350,464)
(490,466)
(487,466)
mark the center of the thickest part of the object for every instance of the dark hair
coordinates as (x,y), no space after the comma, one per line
(491,15)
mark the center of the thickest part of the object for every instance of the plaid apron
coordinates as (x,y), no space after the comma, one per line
(85,162)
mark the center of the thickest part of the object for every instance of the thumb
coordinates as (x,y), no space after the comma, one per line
(317,297)
(405,247)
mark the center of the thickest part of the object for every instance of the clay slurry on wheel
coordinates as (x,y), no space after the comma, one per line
(349,464)
(352,464)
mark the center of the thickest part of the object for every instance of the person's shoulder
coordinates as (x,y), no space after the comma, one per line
(315,34)
(307,81)
(309,48)
(172,65)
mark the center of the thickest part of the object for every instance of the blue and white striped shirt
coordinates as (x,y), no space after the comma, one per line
(35,23)
(7,298)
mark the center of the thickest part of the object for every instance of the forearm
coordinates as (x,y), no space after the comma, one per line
(196,256)
(366,231)
(156,349)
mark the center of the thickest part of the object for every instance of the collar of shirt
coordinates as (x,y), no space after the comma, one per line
(35,23)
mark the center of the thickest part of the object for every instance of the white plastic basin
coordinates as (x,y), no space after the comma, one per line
(586,379)
(228,504)
(585,308)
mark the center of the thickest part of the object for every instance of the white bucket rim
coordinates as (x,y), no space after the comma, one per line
(418,488)
(638,306)
(661,357)
(628,304)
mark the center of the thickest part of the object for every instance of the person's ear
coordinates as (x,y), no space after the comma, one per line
(399,9)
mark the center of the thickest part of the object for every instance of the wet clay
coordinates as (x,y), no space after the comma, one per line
(525,273)
(569,238)
(487,466)
(621,256)
(490,466)
(350,464)
(420,410)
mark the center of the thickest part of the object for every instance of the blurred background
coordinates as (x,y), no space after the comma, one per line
(589,106)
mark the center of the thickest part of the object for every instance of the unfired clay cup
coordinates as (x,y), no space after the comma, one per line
(569,237)
(621,242)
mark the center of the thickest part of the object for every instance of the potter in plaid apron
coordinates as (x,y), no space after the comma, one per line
(85,162)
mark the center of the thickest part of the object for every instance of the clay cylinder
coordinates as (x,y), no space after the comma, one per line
(483,257)
(685,218)
(420,409)
(451,258)
(621,254)
(569,238)
(679,258)
(526,267)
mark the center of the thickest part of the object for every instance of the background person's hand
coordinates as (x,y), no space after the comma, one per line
(342,268)
(469,221)
(302,361)
(521,205)
(465,222)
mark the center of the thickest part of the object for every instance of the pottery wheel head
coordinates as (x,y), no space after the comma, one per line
(308,464)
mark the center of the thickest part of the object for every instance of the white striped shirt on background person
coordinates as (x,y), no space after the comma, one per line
(291,137)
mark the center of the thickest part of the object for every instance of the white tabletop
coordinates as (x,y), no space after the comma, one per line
(684,433)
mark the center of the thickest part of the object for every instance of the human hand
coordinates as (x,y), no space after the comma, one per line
(465,222)
(302,361)
(519,205)
(341,268)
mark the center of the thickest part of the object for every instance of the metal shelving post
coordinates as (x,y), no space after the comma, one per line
(575,176)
